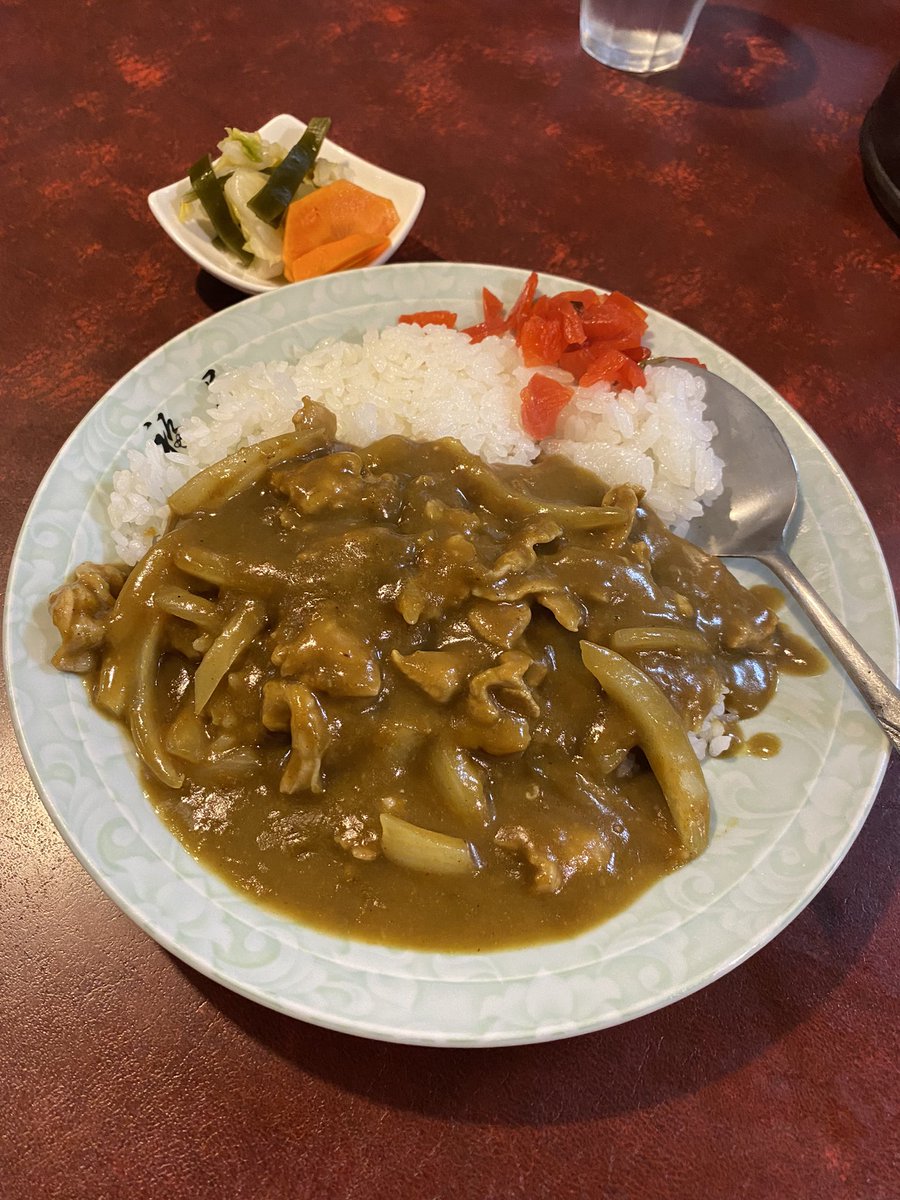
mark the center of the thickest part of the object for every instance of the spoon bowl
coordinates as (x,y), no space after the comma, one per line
(750,517)
(760,480)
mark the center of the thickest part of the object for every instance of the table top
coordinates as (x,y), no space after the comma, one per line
(727,193)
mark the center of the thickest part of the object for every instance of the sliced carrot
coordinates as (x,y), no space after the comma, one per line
(616,369)
(614,316)
(438,316)
(492,305)
(354,250)
(334,212)
(522,307)
(584,297)
(580,360)
(564,313)
(543,399)
(374,253)
(541,341)
(630,305)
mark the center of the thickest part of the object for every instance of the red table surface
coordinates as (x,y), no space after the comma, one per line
(728,194)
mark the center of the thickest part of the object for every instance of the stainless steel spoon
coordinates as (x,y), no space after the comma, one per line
(749,520)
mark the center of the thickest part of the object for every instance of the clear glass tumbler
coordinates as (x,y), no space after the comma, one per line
(643,36)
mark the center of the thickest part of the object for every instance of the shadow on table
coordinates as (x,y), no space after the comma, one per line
(741,59)
(676,1051)
(888,217)
(217,295)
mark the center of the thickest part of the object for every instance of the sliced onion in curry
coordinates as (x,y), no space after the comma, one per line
(662,738)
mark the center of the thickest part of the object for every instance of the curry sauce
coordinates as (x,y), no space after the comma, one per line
(400,629)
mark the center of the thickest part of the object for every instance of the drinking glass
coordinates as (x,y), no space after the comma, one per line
(643,36)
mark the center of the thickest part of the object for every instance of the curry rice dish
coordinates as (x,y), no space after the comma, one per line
(406,697)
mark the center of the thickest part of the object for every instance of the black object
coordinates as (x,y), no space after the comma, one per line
(879,145)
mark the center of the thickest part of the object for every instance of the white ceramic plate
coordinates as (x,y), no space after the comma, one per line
(781,825)
(195,240)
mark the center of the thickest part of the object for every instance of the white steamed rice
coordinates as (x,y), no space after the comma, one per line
(428,383)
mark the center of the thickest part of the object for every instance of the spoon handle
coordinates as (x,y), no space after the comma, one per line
(873,685)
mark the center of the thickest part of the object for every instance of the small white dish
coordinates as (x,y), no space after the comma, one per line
(195,240)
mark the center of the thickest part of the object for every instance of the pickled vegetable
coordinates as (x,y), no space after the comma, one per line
(272,200)
(210,191)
